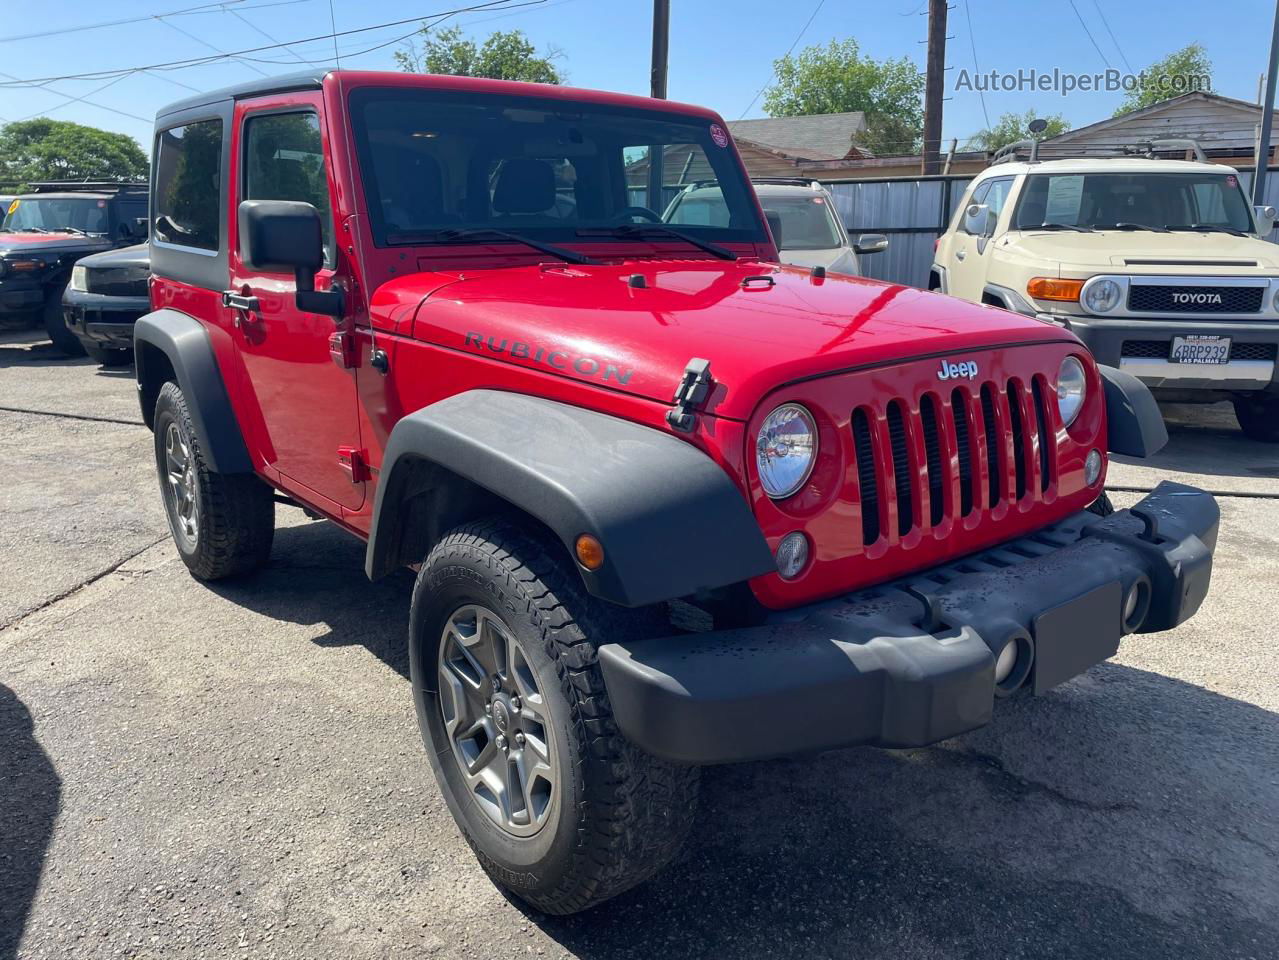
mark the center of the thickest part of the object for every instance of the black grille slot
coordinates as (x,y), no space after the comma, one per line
(116,282)
(993,446)
(1045,438)
(901,468)
(959,412)
(866,482)
(1194,299)
(1019,440)
(932,454)
(1156,349)
(1252,351)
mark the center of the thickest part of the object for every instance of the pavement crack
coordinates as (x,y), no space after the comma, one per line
(1020,787)
(1239,494)
(73,416)
(83,584)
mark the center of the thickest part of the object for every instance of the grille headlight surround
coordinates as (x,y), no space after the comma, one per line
(1072,389)
(786,449)
(1102,296)
(78,279)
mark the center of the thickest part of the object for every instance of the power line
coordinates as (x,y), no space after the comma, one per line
(1089,32)
(238,54)
(794,43)
(184,12)
(203,42)
(1106,24)
(258,30)
(972,42)
(70,99)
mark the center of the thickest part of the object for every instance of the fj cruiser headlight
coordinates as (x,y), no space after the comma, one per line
(1102,296)
(78,281)
(786,448)
(1071,387)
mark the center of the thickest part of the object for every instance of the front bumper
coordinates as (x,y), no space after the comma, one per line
(105,320)
(913,662)
(1105,339)
(21,294)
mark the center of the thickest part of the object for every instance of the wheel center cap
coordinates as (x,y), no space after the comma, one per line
(501,716)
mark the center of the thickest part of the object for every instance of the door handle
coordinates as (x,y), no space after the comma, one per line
(240,302)
(959,255)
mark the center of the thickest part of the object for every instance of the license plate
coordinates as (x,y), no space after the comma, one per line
(1200,348)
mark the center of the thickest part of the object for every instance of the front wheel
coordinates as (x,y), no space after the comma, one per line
(1258,416)
(55,325)
(558,806)
(222,524)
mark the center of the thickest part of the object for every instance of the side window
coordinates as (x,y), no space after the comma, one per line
(997,196)
(979,196)
(284,160)
(188,170)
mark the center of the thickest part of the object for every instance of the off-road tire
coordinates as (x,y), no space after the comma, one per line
(1102,505)
(108,356)
(1258,417)
(622,814)
(236,512)
(55,325)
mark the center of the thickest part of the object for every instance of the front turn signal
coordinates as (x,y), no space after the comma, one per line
(590,552)
(1051,288)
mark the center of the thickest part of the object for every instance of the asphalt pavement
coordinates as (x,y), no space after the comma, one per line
(235,770)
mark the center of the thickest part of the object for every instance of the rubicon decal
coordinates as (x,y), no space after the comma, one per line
(967,370)
(550,357)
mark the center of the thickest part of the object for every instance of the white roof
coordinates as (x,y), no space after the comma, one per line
(1103,165)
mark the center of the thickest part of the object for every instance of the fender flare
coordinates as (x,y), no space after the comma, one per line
(185,343)
(669,518)
(1134,423)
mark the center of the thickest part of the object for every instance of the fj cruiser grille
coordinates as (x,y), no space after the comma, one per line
(1003,447)
(1145,298)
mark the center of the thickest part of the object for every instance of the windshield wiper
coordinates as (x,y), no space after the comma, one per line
(76,230)
(1061,226)
(478,233)
(638,230)
(29,230)
(1208,228)
(1124,225)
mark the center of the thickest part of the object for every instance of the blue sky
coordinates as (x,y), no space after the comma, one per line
(721,52)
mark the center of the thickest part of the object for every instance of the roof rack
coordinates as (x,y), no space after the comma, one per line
(88,186)
(1148,148)
(1008,154)
(787,181)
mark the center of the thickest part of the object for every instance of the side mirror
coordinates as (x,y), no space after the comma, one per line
(870,243)
(279,235)
(775,227)
(1265,219)
(978,220)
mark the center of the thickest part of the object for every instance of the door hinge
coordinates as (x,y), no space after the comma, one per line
(344,350)
(355,462)
(694,387)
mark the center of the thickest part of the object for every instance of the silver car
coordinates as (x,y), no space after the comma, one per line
(801,214)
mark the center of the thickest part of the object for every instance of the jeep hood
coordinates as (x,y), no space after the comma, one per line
(759,325)
(1143,252)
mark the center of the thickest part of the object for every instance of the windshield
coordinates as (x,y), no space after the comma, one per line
(807,222)
(1134,200)
(53,214)
(436,165)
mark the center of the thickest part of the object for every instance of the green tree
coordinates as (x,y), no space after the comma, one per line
(1012,127)
(44,149)
(503,55)
(838,79)
(1185,71)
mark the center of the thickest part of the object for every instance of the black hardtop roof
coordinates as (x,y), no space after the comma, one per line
(105,188)
(304,80)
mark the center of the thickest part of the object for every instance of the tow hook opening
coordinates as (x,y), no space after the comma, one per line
(1013,660)
(1136,604)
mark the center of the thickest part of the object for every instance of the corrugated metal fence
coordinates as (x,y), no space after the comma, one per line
(914,213)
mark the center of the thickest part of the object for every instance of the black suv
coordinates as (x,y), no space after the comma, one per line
(47,230)
(107,293)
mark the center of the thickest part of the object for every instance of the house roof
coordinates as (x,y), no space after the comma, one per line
(826,136)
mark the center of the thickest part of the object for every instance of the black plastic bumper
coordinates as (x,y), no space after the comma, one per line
(913,662)
(106,320)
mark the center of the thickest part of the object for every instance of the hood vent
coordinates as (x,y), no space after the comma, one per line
(1191,263)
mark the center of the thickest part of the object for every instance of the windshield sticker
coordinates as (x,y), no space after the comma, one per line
(1064,197)
(1232,182)
(718,135)
(14,206)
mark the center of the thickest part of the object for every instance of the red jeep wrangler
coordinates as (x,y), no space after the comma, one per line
(670,503)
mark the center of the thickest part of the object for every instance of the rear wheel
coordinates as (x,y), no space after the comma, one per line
(1258,416)
(558,806)
(56,326)
(222,524)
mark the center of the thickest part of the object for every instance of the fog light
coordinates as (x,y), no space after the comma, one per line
(1092,467)
(792,555)
(1005,662)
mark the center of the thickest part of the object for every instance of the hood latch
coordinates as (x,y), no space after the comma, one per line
(694,387)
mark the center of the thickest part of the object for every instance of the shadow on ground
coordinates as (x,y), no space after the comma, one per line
(29,798)
(1206,440)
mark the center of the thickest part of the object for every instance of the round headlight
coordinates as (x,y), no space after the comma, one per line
(1071,387)
(1102,296)
(786,448)
(78,279)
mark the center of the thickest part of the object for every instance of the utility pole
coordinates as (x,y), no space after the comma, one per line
(934,87)
(661,48)
(1267,114)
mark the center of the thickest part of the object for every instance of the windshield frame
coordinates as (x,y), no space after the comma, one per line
(730,170)
(1024,192)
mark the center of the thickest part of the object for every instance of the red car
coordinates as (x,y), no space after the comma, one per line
(670,503)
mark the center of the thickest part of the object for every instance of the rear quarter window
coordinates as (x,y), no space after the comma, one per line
(188,183)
